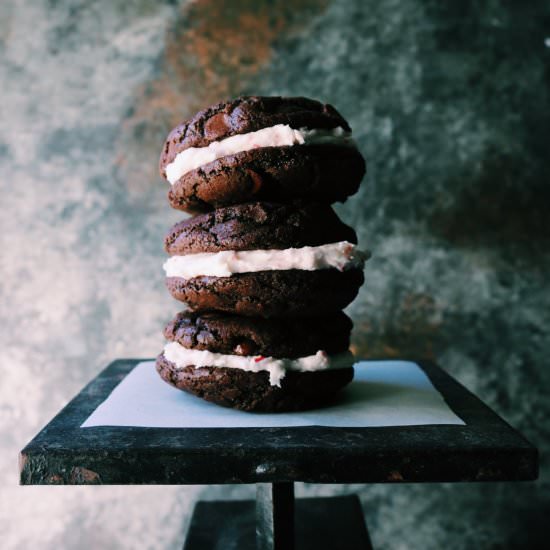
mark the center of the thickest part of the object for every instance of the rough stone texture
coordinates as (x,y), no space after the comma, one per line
(450,105)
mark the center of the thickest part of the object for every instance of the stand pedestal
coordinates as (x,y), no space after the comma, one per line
(277,522)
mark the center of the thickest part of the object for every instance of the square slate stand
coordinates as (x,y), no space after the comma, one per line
(485,449)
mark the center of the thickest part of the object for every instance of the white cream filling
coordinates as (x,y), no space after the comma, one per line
(274,136)
(183,357)
(341,255)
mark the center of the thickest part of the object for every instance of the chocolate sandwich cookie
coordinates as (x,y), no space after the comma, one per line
(258,364)
(265,260)
(261,148)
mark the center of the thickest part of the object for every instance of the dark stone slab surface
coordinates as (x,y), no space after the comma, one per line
(486,449)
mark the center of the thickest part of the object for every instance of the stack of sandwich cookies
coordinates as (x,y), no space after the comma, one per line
(267,272)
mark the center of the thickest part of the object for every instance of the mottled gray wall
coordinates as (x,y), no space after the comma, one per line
(449,102)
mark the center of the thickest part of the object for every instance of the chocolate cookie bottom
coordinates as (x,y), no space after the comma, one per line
(290,293)
(250,391)
(324,173)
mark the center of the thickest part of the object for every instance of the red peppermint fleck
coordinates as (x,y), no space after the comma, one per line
(259,358)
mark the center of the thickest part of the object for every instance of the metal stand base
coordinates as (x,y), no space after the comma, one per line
(330,523)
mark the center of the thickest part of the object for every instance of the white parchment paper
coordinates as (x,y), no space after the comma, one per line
(383,393)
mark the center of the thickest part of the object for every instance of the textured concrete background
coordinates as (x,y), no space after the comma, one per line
(449,102)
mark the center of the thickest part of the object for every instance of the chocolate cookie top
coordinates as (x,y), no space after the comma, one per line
(248,114)
(235,335)
(258,225)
